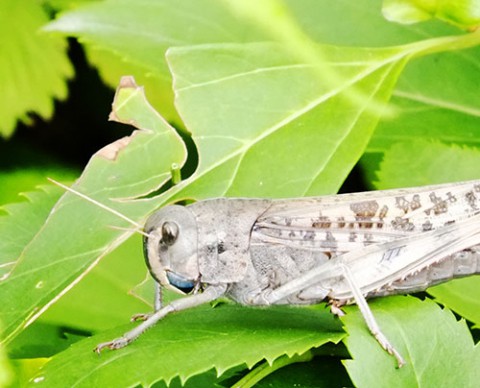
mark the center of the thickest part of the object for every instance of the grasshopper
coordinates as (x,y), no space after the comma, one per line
(340,248)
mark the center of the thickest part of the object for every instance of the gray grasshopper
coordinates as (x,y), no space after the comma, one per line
(341,248)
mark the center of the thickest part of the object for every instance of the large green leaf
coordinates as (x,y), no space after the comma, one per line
(74,237)
(438,349)
(33,67)
(223,337)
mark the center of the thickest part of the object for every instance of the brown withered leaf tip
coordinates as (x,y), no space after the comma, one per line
(111,150)
(126,81)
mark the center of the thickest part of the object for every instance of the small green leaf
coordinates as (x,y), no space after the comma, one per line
(463,13)
(462,296)
(408,11)
(438,349)
(429,162)
(34,67)
(197,339)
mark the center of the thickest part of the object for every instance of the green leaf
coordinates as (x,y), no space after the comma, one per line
(6,376)
(264,123)
(464,13)
(318,373)
(21,222)
(132,38)
(462,296)
(42,340)
(430,162)
(33,66)
(109,285)
(408,11)
(439,350)
(200,338)
(244,132)
(27,179)
(446,111)
(158,87)
(56,257)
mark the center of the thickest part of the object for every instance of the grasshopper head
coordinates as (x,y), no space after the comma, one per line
(171,248)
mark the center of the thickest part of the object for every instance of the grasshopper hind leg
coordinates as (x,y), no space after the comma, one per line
(369,318)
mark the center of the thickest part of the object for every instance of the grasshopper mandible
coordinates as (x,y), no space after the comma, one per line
(341,248)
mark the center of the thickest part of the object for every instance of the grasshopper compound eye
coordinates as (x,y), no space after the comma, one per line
(171,248)
(169,233)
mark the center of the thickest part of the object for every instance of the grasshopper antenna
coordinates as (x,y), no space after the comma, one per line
(138,227)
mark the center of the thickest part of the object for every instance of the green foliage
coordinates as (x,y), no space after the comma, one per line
(33,67)
(464,13)
(5,369)
(231,334)
(270,114)
(425,333)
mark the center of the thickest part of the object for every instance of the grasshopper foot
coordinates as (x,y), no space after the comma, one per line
(115,344)
(389,348)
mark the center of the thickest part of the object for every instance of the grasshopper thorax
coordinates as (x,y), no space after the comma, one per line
(170,248)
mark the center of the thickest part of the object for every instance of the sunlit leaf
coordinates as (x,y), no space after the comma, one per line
(33,67)
(424,334)
(231,334)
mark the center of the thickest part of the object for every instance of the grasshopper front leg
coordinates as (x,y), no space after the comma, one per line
(210,293)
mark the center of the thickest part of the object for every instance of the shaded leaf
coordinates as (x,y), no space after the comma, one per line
(42,340)
(318,373)
(33,67)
